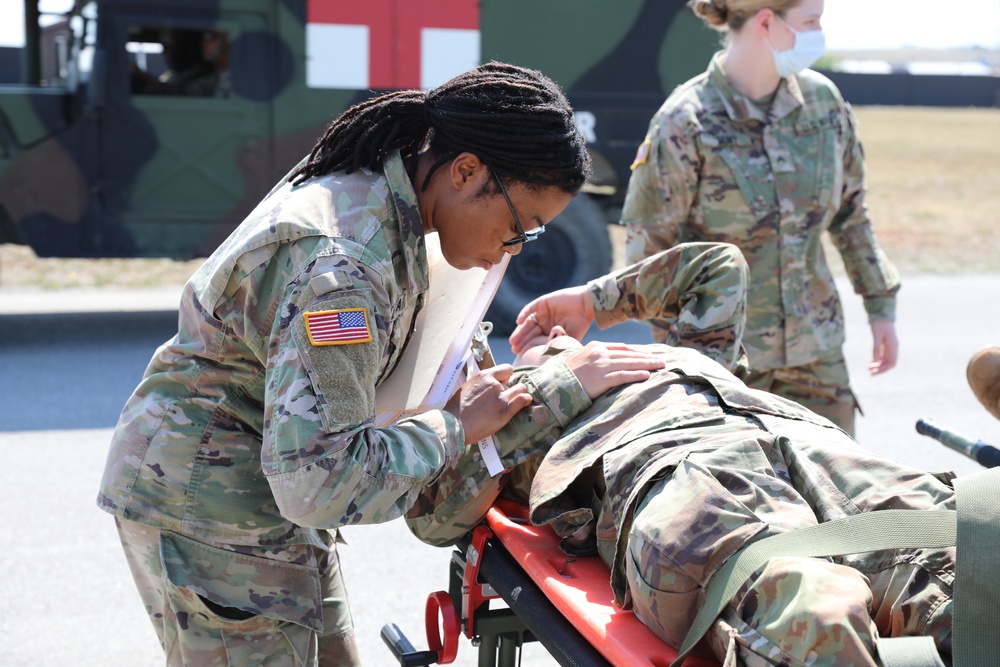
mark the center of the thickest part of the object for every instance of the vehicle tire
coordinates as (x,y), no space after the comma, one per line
(574,249)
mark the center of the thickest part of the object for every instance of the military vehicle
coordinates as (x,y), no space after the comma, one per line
(150,128)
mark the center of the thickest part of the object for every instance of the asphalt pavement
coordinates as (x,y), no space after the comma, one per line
(69,360)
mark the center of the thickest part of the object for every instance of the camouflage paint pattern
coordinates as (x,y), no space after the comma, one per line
(716,167)
(145,175)
(667,479)
(242,432)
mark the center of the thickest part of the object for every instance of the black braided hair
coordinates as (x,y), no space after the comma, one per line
(516,120)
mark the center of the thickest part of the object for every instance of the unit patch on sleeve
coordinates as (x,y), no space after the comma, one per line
(338,327)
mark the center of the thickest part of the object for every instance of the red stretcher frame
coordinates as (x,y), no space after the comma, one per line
(579,587)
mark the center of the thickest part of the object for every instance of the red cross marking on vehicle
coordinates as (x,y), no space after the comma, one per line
(390,43)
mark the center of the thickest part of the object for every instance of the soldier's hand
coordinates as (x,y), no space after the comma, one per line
(484,404)
(570,308)
(601,366)
(885,346)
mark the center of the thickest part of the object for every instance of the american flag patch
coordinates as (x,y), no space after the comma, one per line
(338,327)
(642,154)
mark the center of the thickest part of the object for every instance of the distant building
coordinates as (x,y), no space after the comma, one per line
(949,62)
(862,66)
(953,68)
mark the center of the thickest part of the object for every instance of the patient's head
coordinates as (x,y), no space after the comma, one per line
(542,347)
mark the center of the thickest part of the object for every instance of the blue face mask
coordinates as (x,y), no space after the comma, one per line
(808,48)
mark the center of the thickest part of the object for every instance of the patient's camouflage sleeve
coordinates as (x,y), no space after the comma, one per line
(453,504)
(693,295)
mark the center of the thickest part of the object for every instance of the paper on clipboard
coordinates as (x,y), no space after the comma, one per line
(431,366)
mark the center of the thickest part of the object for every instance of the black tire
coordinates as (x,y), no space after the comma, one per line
(574,249)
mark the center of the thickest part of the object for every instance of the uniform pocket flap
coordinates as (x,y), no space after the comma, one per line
(284,591)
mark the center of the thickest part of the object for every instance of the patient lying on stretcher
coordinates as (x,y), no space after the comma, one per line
(666,479)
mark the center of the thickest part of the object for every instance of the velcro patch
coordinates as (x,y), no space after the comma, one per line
(338,327)
(642,155)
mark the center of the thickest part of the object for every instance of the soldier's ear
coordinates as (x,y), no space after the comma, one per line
(467,169)
(762,22)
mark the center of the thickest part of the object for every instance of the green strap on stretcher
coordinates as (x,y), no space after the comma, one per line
(908,652)
(976,625)
(976,641)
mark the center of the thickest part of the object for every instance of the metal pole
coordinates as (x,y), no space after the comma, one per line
(977,450)
(31,55)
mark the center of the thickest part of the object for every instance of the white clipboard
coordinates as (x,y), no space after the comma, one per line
(431,368)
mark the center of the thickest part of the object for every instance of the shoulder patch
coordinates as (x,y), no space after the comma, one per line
(338,327)
(642,154)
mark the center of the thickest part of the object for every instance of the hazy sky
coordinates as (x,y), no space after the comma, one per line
(849,24)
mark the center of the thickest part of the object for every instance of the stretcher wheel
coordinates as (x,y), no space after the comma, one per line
(445,646)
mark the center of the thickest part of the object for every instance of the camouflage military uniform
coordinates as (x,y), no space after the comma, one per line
(716,167)
(667,479)
(249,436)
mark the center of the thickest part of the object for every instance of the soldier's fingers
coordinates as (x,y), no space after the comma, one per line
(527,311)
(522,333)
(501,372)
(517,401)
(628,377)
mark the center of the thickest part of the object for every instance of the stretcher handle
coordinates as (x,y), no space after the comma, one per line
(404,651)
(986,455)
(446,646)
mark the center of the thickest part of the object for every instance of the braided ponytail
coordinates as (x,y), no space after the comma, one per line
(516,120)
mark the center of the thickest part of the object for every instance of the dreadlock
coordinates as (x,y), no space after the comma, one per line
(516,120)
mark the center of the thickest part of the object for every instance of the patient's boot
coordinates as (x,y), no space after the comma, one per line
(984,378)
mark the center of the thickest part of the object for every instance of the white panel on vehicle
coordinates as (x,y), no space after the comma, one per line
(445,53)
(337,55)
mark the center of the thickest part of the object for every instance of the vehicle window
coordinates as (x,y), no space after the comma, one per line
(178,61)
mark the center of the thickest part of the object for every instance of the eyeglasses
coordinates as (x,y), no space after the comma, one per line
(522,236)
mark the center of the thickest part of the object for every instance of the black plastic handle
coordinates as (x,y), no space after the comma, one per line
(988,456)
(404,651)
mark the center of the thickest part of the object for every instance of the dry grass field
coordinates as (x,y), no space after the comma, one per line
(934,186)
(934,194)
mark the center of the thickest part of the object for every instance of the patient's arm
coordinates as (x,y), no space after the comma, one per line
(693,295)
(459,498)
(693,284)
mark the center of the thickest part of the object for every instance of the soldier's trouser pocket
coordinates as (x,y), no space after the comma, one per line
(798,611)
(198,635)
(195,593)
(676,541)
(668,614)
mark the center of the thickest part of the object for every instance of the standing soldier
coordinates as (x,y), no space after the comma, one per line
(763,153)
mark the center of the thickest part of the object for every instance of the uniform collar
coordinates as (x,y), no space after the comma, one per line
(741,108)
(411,225)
